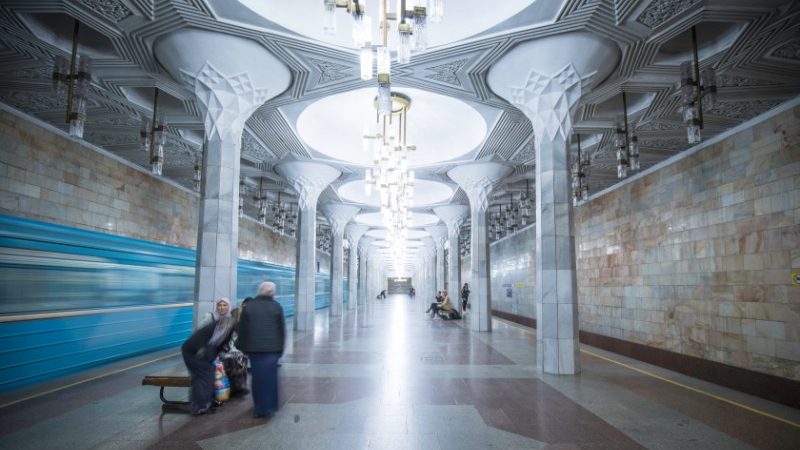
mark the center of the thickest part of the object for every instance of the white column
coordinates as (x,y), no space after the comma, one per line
(353,234)
(453,216)
(218,230)
(338,215)
(363,267)
(477,180)
(308,179)
(439,235)
(544,79)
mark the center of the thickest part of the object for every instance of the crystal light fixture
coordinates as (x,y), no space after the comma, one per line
(412,23)
(626,143)
(197,174)
(580,186)
(698,91)
(525,206)
(154,136)
(242,191)
(261,202)
(77,82)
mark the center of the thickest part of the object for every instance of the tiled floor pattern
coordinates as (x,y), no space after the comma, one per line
(387,376)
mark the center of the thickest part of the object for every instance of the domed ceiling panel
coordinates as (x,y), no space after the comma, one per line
(442,128)
(430,193)
(307,17)
(376,219)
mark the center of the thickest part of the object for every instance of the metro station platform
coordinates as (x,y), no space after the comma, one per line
(387,376)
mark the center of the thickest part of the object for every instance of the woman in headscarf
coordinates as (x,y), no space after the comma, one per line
(222,308)
(199,352)
(262,332)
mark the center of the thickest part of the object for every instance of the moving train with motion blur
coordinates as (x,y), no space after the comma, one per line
(71,299)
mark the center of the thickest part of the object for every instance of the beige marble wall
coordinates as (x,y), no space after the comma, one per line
(46,176)
(697,257)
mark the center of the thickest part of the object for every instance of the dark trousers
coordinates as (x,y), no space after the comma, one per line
(202,373)
(435,307)
(264,366)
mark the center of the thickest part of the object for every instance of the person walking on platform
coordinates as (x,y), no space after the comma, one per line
(199,352)
(262,333)
(464,297)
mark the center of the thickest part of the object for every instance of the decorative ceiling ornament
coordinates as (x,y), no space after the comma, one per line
(113,10)
(696,93)
(659,11)
(153,136)
(75,82)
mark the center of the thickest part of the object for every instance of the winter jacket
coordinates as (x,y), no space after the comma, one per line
(261,326)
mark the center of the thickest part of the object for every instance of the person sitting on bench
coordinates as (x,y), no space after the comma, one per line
(445,305)
(199,351)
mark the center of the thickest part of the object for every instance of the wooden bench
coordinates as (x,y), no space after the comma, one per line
(164,381)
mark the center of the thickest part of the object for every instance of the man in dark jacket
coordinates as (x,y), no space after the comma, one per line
(262,332)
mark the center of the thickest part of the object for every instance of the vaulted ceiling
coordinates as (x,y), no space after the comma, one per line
(754,46)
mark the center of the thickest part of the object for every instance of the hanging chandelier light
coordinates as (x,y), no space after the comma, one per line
(627,144)
(386,139)
(696,93)
(525,206)
(580,185)
(261,202)
(242,191)
(154,136)
(411,33)
(197,174)
(76,84)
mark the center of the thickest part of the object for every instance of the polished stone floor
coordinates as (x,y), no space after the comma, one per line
(388,376)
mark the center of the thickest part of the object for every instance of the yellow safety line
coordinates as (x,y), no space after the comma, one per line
(41,394)
(693,389)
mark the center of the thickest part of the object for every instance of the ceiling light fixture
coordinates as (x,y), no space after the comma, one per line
(76,83)
(696,93)
(242,191)
(261,202)
(580,185)
(627,144)
(154,136)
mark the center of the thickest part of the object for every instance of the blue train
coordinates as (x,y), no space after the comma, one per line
(71,299)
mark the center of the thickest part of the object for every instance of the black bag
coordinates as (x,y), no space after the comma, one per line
(235,364)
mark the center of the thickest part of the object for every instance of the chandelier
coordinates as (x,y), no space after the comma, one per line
(76,84)
(580,185)
(525,206)
(261,202)
(154,135)
(386,141)
(284,217)
(242,192)
(627,144)
(698,91)
(324,241)
(411,32)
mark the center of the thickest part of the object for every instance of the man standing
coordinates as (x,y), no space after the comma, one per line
(464,297)
(262,333)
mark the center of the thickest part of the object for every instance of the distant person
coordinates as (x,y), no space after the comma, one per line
(445,305)
(199,351)
(439,297)
(412,292)
(464,297)
(262,335)
(382,295)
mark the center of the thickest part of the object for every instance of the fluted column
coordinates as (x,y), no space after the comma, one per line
(453,216)
(353,233)
(439,235)
(228,90)
(338,215)
(544,79)
(308,179)
(363,247)
(218,232)
(477,180)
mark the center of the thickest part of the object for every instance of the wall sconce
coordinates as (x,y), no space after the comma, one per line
(76,84)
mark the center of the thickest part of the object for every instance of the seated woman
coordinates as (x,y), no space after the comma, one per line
(445,305)
(199,351)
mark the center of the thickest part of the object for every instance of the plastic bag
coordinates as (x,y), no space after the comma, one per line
(222,385)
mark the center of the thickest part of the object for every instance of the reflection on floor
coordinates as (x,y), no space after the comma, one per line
(389,376)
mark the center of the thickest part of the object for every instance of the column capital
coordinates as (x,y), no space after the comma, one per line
(477,180)
(453,216)
(353,233)
(308,178)
(338,215)
(438,234)
(364,244)
(549,102)
(227,101)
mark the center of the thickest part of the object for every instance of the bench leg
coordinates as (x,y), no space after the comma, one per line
(172,405)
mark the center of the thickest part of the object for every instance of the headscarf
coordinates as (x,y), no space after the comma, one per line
(215,314)
(222,330)
(266,289)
